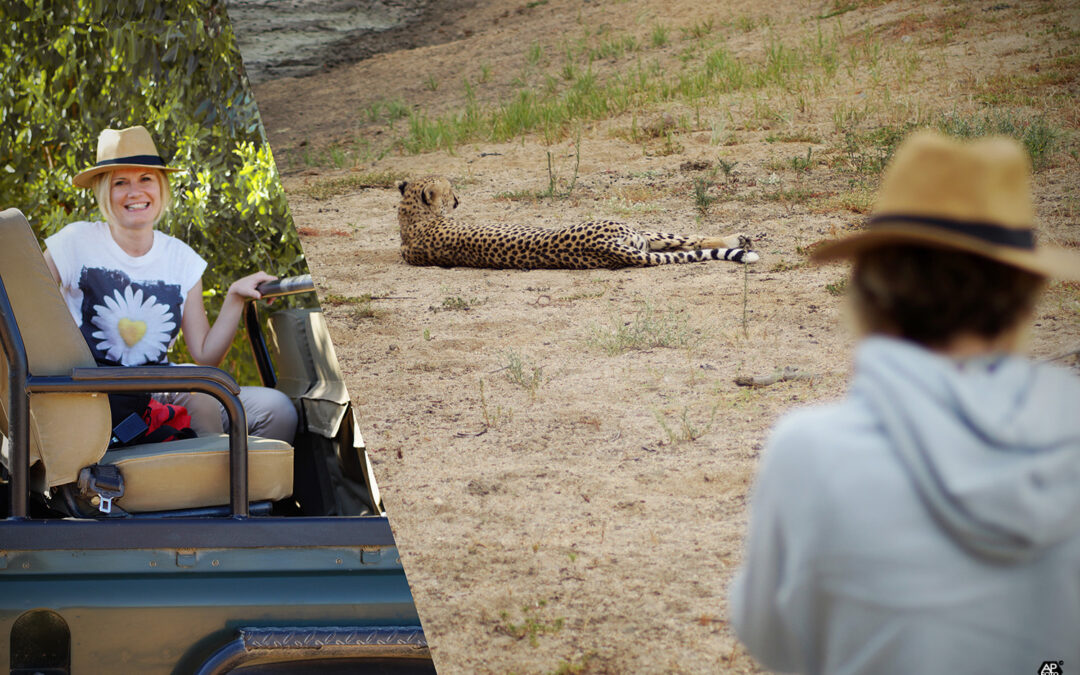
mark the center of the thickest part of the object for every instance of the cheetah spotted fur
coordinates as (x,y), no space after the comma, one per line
(430,237)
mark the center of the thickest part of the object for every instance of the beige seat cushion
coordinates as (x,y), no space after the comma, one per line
(194,472)
(67,431)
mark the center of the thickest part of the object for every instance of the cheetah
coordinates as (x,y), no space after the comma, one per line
(430,237)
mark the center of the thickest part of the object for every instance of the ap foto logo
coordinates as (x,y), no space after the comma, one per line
(1052,668)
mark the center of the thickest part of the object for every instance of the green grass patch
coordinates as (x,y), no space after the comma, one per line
(531,626)
(492,419)
(660,36)
(859,199)
(583,295)
(456,303)
(795,195)
(388,111)
(684,428)
(335,299)
(793,137)
(702,199)
(839,7)
(699,30)
(521,371)
(648,328)
(1035,133)
(531,196)
(615,48)
(325,189)
(868,152)
(575,94)
(786,266)
(361,307)
(576,666)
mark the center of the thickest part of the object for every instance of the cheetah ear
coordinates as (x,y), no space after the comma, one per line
(455,201)
(425,195)
(401,185)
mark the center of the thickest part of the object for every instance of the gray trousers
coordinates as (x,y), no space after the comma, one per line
(270,413)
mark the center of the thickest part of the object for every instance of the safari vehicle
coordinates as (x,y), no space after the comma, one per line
(205,555)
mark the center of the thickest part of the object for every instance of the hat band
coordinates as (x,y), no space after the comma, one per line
(990,233)
(152,160)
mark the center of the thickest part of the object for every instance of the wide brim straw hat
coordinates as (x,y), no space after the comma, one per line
(123,149)
(971,196)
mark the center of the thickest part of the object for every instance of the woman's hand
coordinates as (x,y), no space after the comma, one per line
(246,287)
(208,344)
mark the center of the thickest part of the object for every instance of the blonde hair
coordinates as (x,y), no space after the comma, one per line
(102,192)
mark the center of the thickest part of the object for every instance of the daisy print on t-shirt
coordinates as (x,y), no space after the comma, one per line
(125,322)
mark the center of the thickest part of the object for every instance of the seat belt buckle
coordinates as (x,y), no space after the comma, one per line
(101,484)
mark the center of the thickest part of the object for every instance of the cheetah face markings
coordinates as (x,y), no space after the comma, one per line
(435,195)
(429,236)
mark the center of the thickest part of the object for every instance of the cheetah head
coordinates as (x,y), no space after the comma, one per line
(430,193)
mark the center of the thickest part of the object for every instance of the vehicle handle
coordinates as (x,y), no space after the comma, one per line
(286,286)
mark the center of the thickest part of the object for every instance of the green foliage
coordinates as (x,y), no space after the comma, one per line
(70,70)
(702,199)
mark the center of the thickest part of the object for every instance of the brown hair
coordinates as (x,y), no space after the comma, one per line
(931,295)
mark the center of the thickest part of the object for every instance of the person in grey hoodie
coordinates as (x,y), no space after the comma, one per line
(929,522)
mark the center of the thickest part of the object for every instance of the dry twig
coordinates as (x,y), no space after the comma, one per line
(788,373)
(1075,349)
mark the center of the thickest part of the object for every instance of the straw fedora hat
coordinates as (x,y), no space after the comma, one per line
(969,196)
(123,149)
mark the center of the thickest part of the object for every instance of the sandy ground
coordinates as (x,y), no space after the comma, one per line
(561,507)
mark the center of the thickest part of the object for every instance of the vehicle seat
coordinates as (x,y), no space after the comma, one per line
(71,431)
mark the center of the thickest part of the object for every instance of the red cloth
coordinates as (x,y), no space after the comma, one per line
(166,414)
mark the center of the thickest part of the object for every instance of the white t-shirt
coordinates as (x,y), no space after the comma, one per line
(128,308)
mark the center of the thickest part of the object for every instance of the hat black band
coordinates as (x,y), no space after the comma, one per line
(993,234)
(152,160)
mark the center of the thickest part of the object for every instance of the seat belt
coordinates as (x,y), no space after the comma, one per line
(101,483)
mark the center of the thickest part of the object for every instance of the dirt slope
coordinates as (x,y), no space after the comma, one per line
(562,505)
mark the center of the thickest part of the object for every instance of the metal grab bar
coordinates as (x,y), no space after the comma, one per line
(286,286)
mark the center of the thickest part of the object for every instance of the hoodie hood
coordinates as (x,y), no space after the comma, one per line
(992,444)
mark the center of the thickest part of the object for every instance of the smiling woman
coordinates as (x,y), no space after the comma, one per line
(173,68)
(133,289)
(134,198)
